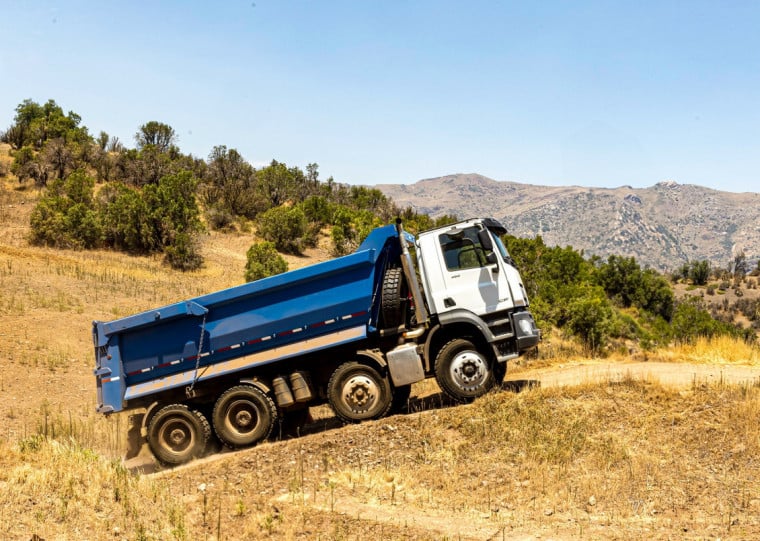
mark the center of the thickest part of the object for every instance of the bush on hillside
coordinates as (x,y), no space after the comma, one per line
(182,253)
(65,217)
(285,227)
(263,261)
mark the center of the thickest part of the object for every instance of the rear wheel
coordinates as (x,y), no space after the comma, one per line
(358,392)
(177,434)
(463,372)
(243,415)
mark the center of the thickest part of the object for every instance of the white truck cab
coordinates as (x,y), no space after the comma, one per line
(478,308)
(474,271)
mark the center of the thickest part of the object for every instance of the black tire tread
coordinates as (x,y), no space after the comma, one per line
(204,433)
(391,298)
(269,404)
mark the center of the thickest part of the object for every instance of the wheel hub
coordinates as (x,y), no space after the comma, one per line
(243,418)
(360,392)
(177,437)
(469,370)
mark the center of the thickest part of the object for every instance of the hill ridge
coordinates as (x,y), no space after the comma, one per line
(662,226)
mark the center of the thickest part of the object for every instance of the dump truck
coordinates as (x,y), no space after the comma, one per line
(355,332)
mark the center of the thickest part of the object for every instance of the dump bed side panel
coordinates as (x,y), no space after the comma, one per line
(255,323)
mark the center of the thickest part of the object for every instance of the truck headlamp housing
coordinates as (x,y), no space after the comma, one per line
(525,326)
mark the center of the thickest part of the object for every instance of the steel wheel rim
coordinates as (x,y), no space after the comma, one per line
(469,370)
(360,392)
(176,436)
(242,417)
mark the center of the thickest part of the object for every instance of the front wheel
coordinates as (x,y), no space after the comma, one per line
(177,434)
(358,392)
(462,371)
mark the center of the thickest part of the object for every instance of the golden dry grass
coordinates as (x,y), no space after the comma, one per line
(722,350)
(622,460)
(610,460)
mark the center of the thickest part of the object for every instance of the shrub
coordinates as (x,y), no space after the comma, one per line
(124,215)
(284,227)
(220,219)
(182,253)
(262,261)
(691,320)
(65,216)
(350,228)
(591,320)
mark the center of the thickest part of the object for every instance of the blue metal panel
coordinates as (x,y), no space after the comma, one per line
(242,320)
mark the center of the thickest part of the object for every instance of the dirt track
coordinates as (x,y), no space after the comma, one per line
(668,374)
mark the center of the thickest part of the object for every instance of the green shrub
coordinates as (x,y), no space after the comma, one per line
(262,261)
(591,320)
(65,216)
(285,227)
(182,253)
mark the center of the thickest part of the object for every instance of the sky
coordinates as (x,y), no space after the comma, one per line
(596,94)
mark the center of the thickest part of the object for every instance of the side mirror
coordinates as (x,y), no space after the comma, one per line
(485,240)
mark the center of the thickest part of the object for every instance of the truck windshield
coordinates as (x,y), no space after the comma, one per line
(503,250)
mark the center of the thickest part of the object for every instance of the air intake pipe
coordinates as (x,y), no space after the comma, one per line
(414,286)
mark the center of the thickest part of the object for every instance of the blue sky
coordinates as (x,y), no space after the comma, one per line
(554,92)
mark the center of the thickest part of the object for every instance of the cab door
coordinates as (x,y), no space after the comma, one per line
(473,279)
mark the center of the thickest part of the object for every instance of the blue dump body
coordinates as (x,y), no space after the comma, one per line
(309,309)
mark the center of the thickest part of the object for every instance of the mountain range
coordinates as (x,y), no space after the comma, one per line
(662,226)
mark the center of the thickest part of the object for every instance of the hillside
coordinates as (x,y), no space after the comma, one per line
(617,457)
(662,226)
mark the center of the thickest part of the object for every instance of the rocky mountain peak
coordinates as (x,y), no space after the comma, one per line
(662,226)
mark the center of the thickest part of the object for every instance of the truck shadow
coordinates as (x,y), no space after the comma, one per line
(139,459)
(415,404)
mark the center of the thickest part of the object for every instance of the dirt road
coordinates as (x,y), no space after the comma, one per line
(668,374)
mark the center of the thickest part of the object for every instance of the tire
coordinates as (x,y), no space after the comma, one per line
(243,416)
(400,402)
(463,372)
(177,434)
(392,298)
(357,392)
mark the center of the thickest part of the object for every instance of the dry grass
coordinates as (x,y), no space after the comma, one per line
(611,460)
(721,350)
(628,459)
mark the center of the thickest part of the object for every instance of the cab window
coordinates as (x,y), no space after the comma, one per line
(462,250)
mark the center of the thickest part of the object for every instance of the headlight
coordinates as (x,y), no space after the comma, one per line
(525,326)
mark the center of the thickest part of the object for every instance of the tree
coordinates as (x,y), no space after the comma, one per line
(285,227)
(591,320)
(740,265)
(102,140)
(699,272)
(620,277)
(229,184)
(59,157)
(65,217)
(262,260)
(34,124)
(156,134)
(654,294)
